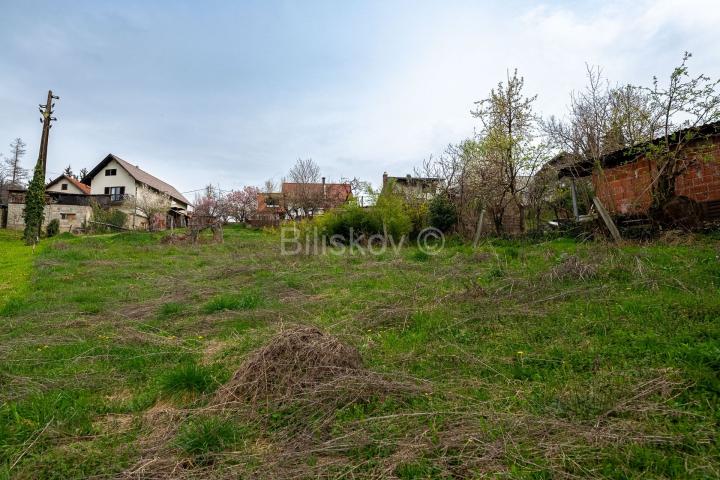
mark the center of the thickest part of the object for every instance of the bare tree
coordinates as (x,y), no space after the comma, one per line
(15,172)
(304,197)
(269,186)
(150,203)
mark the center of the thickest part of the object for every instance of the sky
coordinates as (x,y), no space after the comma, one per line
(232,93)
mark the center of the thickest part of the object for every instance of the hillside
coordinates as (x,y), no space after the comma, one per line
(123,356)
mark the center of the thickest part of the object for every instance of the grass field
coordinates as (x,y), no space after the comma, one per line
(553,359)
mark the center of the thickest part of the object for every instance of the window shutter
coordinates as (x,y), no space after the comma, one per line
(122,190)
(107,190)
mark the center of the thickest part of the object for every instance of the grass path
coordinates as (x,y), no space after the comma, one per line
(15,265)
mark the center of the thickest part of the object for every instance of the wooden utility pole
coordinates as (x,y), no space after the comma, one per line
(46,111)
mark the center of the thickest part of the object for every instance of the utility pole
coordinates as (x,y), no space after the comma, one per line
(46,111)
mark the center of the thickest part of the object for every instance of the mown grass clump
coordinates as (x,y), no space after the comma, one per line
(200,437)
(243,301)
(171,309)
(189,378)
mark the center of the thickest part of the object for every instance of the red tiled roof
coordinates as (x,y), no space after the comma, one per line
(84,188)
(335,193)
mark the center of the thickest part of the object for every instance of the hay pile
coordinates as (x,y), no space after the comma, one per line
(304,366)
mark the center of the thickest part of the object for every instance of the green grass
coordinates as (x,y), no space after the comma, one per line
(189,378)
(244,301)
(201,437)
(610,376)
(15,269)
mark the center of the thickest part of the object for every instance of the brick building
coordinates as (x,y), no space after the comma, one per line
(294,197)
(624,183)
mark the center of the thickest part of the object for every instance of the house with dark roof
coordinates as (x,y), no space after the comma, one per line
(418,187)
(113,183)
(67,200)
(128,185)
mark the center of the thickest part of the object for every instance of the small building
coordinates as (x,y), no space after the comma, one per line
(72,210)
(623,179)
(416,187)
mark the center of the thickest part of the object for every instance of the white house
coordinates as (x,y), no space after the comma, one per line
(113,183)
(129,186)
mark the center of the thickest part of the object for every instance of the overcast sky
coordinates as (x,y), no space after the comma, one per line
(234,92)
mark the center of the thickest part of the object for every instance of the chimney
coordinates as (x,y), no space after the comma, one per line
(385,177)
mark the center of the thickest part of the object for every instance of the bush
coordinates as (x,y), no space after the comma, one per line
(419,215)
(443,214)
(106,219)
(53,228)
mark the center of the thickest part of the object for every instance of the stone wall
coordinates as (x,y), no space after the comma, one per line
(69,216)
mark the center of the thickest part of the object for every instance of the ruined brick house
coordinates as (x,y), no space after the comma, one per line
(624,183)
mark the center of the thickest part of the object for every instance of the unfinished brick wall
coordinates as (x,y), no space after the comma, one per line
(626,189)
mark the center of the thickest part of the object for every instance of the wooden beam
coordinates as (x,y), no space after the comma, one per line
(607,219)
(478,230)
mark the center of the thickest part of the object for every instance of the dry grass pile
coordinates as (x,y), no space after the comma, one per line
(295,360)
(572,268)
(303,361)
(309,375)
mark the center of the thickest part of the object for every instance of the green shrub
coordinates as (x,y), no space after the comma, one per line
(106,219)
(390,213)
(442,213)
(53,228)
(170,309)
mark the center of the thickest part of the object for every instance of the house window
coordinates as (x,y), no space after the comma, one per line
(111,172)
(63,186)
(67,216)
(116,193)
(271,202)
